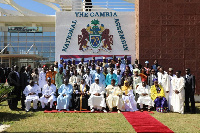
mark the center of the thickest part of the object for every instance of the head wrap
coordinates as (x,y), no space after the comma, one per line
(155,80)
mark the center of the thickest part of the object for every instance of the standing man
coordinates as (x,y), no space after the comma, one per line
(178,94)
(163,80)
(111,76)
(59,78)
(51,74)
(100,76)
(189,91)
(171,76)
(13,80)
(42,77)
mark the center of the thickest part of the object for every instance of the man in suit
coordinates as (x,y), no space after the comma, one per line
(189,90)
(13,80)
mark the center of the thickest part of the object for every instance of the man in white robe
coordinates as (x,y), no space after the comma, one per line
(164,81)
(48,96)
(97,99)
(114,97)
(171,76)
(178,94)
(31,92)
(42,77)
(144,96)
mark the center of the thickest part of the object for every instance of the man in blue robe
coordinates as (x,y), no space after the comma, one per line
(65,93)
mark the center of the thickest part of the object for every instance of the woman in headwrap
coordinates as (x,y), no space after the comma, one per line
(128,97)
(158,96)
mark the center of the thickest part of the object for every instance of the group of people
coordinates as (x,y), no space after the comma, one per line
(102,85)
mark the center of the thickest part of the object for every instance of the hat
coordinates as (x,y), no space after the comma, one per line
(61,58)
(146,62)
(104,57)
(143,80)
(170,69)
(117,64)
(44,66)
(96,78)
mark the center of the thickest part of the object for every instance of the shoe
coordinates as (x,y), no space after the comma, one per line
(118,111)
(104,111)
(27,110)
(92,110)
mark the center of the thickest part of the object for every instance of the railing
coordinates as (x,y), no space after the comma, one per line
(78,5)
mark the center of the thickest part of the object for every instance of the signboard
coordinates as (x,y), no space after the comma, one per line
(25,29)
(95,33)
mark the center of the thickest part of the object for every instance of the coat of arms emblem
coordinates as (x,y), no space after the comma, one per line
(95,38)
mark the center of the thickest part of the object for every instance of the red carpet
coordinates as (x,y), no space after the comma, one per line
(143,122)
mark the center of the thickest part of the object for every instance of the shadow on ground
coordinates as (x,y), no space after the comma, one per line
(10,116)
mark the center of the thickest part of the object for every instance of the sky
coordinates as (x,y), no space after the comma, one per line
(38,7)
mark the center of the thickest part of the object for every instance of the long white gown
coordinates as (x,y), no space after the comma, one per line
(31,89)
(177,100)
(164,80)
(96,101)
(129,101)
(144,99)
(48,91)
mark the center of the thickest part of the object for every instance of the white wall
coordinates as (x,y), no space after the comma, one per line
(64,22)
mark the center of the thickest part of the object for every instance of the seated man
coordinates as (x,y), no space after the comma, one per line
(114,97)
(97,99)
(128,97)
(31,92)
(65,92)
(144,96)
(158,96)
(48,96)
(81,96)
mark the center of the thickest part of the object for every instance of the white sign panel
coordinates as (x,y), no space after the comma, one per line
(95,33)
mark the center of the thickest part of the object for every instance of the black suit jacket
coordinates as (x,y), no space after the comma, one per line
(190,83)
(13,79)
